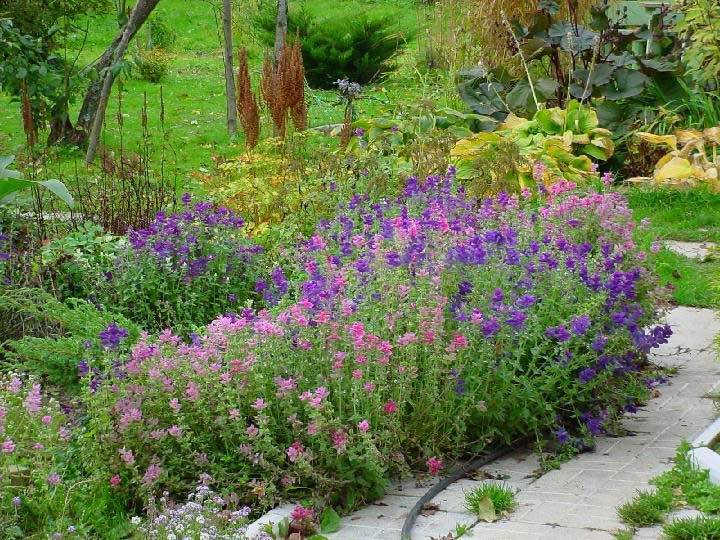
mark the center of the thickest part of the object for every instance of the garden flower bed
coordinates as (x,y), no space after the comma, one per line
(425,329)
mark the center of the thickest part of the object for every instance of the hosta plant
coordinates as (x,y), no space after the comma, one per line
(688,162)
(563,142)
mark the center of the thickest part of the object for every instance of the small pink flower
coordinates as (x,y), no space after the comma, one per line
(390,407)
(115,480)
(54,479)
(357,374)
(252,431)
(175,405)
(259,404)
(655,247)
(127,456)
(312,428)
(174,431)
(369,387)
(364,426)
(295,451)
(300,513)
(434,465)
(339,440)
(192,392)
(47,419)
(8,447)
(234,414)
(38,446)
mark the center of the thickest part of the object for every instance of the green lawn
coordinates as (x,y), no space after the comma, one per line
(693,216)
(194,89)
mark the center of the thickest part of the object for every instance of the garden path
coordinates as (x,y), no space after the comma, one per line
(579,500)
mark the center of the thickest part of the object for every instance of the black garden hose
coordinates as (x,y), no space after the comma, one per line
(445,482)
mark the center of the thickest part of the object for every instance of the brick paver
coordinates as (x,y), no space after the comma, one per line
(579,500)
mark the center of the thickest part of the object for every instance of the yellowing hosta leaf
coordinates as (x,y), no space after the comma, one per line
(685,136)
(669,141)
(673,168)
(513,122)
(712,135)
(580,138)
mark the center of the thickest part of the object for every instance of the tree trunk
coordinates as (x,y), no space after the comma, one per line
(229,75)
(138,16)
(281,26)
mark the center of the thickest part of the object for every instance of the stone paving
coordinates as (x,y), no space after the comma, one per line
(691,250)
(579,500)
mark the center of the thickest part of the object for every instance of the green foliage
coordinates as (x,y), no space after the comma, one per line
(563,141)
(699,528)
(700,26)
(78,260)
(151,64)
(568,60)
(500,497)
(47,337)
(13,183)
(646,509)
(161,33)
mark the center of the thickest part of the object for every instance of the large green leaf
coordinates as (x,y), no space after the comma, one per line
(329,521)
(59,189)
(626,83)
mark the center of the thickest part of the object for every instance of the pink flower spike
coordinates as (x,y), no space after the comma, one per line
(115,480)
(364,426)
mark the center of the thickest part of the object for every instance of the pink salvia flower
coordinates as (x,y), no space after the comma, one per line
(127,456)
(33,399)
(152,473)
(434,465)
(390,407)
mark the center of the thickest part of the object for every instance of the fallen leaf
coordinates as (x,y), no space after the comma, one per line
(486,510)
(429,509)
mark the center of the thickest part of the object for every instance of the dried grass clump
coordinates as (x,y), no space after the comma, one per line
(481,22)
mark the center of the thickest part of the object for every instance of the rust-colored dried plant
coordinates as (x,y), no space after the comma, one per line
(247,106)
(27,116)
(283,88)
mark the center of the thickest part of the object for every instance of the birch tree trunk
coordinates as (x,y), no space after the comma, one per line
(229,75)
(138,16)
(281,26)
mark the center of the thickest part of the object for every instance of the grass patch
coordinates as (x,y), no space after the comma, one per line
(701,528)
(624,534)
(691,215)
(694,282)
(647,508)
(501,496)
